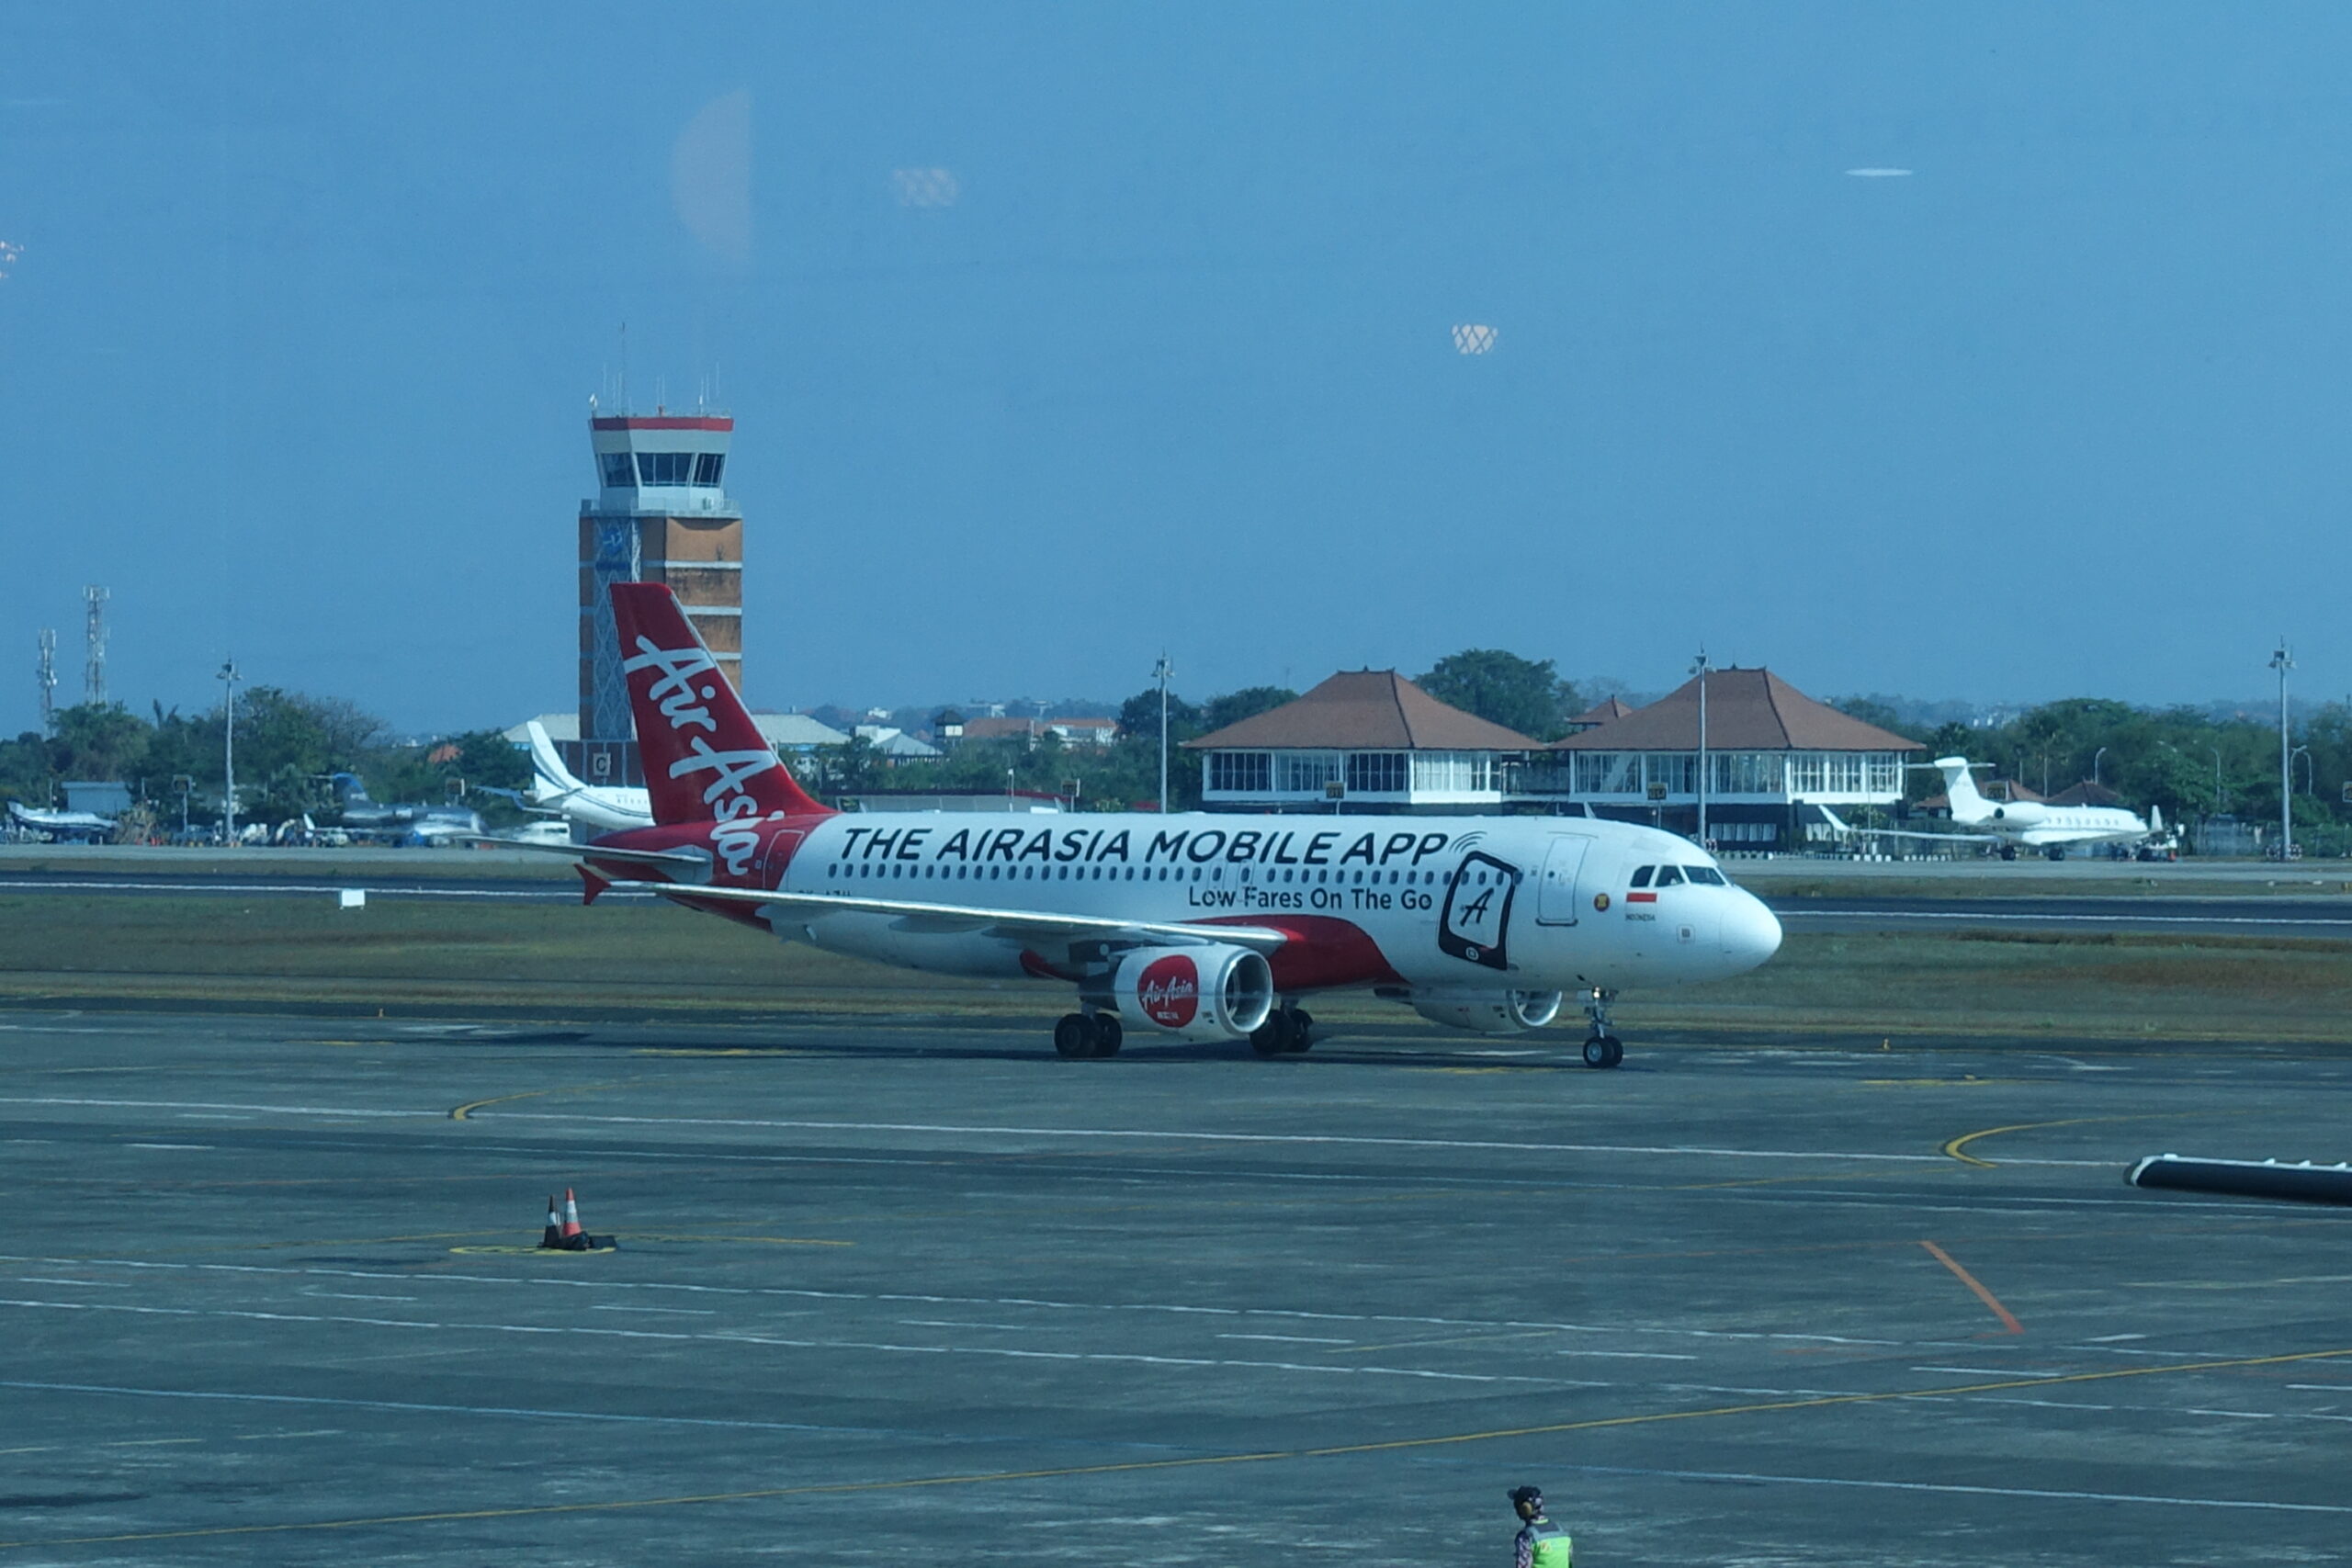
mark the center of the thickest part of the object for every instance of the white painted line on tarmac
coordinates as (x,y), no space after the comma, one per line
(1956,1488)
(1310,1139)
(552,895)
(733,1338)
(521,1411)
(1164,1134)
(1285,1314)
(1290,1338)
(213,1105)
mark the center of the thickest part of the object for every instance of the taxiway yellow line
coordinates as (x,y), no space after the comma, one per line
(1957,1146)
(908,1484)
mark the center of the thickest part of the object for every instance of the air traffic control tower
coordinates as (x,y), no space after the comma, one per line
(660,515)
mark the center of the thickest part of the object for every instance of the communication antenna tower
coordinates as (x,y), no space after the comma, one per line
(45,674)
(94,662)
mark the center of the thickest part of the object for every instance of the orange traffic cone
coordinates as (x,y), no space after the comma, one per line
(553,1235)
(572,1237)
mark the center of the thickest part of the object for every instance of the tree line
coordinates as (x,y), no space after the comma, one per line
(289,746)
(1524,695)
(2188,763)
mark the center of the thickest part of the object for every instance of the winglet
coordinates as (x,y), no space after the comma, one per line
(592,882)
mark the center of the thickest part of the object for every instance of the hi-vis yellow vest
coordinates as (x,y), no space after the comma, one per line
(1553,1549)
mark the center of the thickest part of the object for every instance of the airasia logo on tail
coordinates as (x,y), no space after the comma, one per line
(1169,991)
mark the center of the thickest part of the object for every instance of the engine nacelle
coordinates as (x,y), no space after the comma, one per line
(1488,1012)
(1211,992)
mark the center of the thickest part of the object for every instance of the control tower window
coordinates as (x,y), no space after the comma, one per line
(663,467)
(707,467)
(618,473)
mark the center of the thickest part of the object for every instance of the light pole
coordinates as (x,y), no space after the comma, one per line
(2095,757)
(1700,669)
(1160,672)
(2282,662)
(227,677)
(2217,779)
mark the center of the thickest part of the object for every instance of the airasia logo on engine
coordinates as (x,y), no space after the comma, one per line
(1169,991)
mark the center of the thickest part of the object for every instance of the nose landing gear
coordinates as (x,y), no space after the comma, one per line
(1603,1049)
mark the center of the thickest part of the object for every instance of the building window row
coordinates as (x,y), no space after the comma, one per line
(661,468)
(1454,772)
(1244,773)
(1363,773)
(1799,773)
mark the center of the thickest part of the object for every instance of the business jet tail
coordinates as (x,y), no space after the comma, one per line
(553,780)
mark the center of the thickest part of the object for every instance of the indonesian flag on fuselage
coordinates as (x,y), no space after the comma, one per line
(705,759)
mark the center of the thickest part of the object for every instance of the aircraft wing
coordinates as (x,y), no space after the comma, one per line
(1025,926)
(1941,838)
(1847,829)
(697,860)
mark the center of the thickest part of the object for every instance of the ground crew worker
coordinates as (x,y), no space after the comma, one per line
(1541,1543)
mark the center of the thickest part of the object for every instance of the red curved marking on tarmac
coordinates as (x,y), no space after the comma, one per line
(2007,1320)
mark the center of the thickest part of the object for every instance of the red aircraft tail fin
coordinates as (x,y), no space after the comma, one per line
(705,759)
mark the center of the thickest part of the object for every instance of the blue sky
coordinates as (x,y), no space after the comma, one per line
(296,354)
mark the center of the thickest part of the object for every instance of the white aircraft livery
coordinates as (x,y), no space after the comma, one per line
(1190,926)
(2028,823)
(555,786)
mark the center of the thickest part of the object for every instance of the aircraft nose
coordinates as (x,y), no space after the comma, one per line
(1751,932)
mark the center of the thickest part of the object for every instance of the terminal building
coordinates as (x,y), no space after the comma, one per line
(660,514)
(1372,740)
(1364,740)
(1770,753)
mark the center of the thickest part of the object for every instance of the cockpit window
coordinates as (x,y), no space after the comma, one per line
(1669,876)
(1706,873)
(1642,875)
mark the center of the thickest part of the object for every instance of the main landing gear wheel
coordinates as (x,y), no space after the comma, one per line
(1303,1027)
(1280,1033)
(1081,1035)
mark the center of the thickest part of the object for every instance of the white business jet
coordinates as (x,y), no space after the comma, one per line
(1192,927)
(2013,824)
(603,808)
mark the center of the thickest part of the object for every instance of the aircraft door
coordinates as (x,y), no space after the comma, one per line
(1555,894)
(776,853)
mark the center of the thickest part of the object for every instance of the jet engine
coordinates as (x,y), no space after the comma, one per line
(1488,1012)
(1212,992)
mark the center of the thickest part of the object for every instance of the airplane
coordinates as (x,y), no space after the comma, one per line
(2027,823)
(426,825)
(607,809)
(65,826)
(1184,928)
